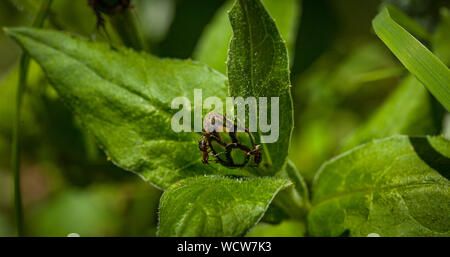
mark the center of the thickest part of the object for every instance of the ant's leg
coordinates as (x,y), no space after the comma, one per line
(252,141)
(230,145)
(217,154)
(256,149)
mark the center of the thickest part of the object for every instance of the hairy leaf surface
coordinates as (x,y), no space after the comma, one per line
(258,67)
(124,99)
(216,206)
(393,187)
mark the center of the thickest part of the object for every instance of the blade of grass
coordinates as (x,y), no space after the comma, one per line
(391,27)
(15,155)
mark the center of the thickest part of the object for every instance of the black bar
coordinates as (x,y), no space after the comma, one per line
(267,246)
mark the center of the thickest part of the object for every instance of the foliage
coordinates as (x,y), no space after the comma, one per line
(258,67)
(393,187)
(429,69)
(212,47)
(392,180)
(215,206)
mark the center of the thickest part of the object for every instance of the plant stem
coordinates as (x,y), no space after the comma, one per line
(292,204)
(15,155)
(24,62)
(294,200)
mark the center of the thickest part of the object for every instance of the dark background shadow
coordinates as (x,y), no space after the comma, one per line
(430,156)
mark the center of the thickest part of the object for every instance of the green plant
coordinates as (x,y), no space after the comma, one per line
(395,186)
(21,87)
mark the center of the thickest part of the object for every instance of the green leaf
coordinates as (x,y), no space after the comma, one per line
(393,187)
(258,67)
(287,228)
(409,110)
(212,47)
(390,25)
(216,206)
(441,38)
(294,200)
(274,215)
(123,98)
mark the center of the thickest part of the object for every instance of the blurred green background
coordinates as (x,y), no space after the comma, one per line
(341,74)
